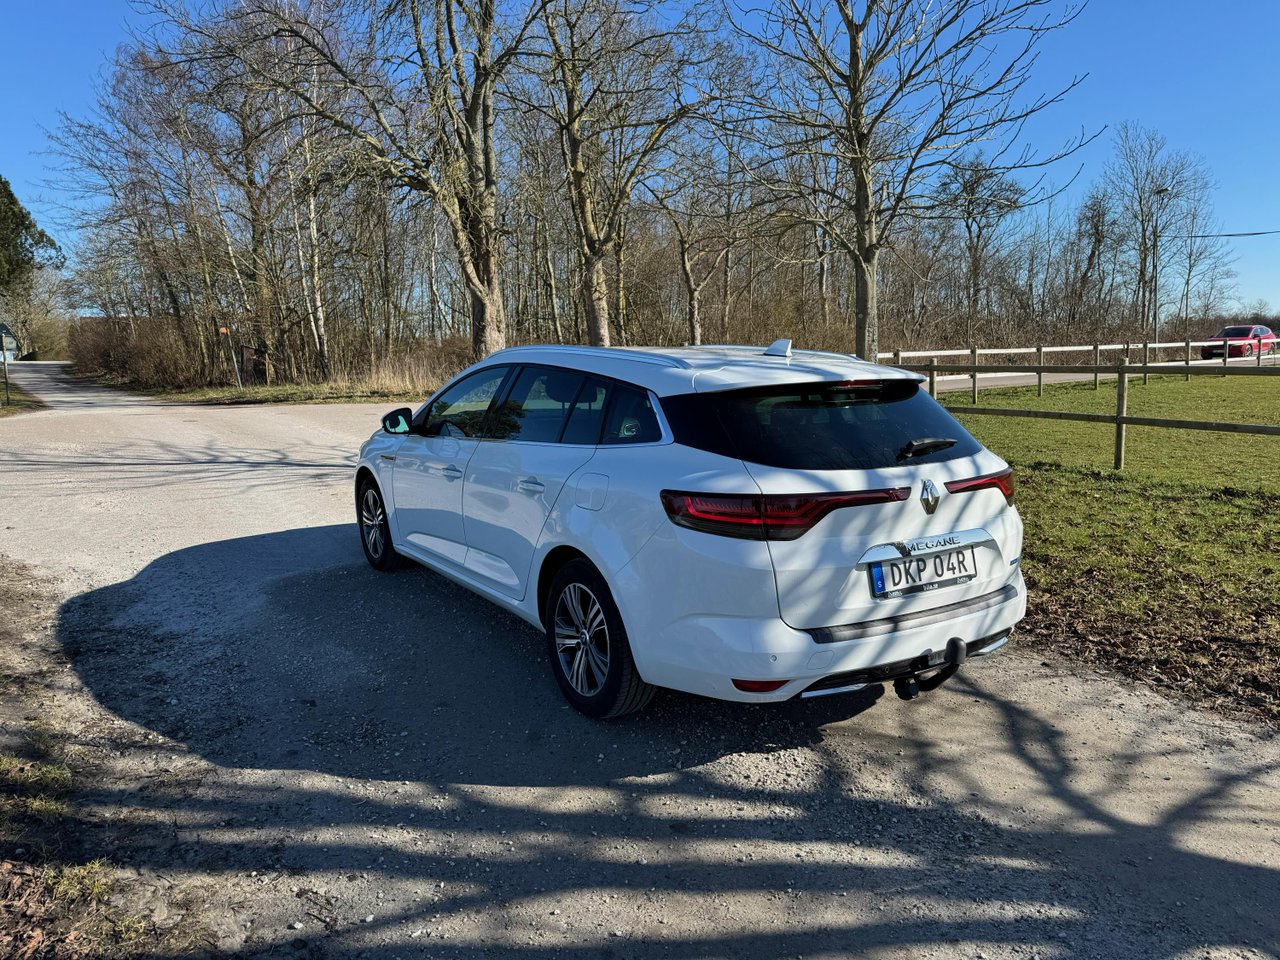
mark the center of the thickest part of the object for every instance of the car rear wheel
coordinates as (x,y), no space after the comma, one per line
(588,646)
(375,531)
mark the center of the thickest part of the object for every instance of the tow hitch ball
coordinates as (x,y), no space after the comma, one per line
(908,688)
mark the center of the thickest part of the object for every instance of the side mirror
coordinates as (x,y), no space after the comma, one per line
(398,421)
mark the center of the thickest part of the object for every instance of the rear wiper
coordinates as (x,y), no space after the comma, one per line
(924,445)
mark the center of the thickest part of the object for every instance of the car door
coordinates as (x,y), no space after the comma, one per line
(428,471)
(543,430)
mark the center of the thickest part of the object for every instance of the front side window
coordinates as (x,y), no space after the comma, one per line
(536,407)
(460,411)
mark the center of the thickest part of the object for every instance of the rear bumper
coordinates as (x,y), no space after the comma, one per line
(702,654)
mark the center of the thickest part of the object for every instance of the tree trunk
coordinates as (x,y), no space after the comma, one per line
(595,299)
(692,292)
(620,286)
(865,311)
(488,321)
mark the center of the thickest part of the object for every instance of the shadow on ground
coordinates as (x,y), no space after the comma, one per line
(396,725)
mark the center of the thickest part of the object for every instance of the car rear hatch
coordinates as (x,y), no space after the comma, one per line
(876,503)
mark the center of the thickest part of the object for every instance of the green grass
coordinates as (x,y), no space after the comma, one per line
(1168,571)
(19,402)
(1179,456)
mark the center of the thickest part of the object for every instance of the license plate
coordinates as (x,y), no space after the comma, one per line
(896,578)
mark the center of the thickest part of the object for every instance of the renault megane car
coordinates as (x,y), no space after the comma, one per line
(743,523)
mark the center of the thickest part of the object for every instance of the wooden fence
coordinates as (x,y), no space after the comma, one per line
(1257,354)
(1122,371)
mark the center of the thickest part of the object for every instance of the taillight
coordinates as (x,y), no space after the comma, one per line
(1002,481)
(765,516)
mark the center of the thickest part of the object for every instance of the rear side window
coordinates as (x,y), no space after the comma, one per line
(629,417)
(587,416)
(536,406)
(821,426)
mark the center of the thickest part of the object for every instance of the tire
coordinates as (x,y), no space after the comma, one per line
(588,647)
(375,532)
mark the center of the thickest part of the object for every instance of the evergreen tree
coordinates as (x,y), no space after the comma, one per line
(24,247)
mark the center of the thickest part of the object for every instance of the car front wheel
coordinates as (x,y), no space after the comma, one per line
(588,646)
(375,532)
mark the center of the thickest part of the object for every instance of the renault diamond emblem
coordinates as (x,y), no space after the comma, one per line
(928,496)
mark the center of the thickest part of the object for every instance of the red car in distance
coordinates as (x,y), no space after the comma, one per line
(1243,340)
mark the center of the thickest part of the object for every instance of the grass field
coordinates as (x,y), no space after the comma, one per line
(1218,459)
(19,402)
(1169,571)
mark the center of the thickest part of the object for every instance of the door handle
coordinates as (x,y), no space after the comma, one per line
(387,456)
(451,472)
(530,485)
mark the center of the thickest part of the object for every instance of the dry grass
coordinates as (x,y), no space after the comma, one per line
(19,402)
(54,905)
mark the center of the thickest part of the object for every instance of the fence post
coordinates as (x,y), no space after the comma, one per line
(1097,362)
(973,357)
(1122,408)
(1040,371)
(1187,375)
(1146,361)
(1258,351)
(1226,353)
(933,377)
(897,358)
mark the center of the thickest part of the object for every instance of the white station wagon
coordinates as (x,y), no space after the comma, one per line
(743,523)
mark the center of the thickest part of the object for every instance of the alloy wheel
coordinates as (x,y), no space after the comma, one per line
(582,639)
(373,523)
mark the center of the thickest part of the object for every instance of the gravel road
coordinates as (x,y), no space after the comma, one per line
(310,759)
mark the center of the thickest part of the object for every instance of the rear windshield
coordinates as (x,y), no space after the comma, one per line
(821,426)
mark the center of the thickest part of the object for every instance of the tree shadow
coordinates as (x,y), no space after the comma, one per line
(396,731)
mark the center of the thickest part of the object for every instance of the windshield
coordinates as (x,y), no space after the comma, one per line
(822,426)
(1235,331)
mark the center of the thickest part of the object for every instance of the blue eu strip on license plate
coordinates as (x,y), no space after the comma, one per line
(877,577)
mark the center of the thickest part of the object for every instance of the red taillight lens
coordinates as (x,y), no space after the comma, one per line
(758,686)
(1002,481)
(765,516)
(731,515)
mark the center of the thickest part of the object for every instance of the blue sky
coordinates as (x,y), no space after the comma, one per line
(1205,76)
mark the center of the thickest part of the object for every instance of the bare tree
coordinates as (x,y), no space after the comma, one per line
(616,84)
(413,82)
(892,94)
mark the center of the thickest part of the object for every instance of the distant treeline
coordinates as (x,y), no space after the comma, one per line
(357,189)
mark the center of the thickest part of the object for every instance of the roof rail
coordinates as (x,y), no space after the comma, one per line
(794,351)
(617,353)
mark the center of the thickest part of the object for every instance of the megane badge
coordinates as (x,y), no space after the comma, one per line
(928,496)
